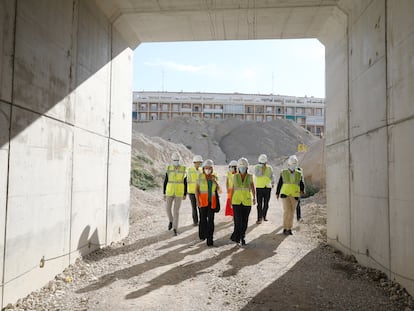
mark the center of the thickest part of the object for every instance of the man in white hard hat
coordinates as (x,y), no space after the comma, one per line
(175,190)
(264,181)
(290,187)
(192,177)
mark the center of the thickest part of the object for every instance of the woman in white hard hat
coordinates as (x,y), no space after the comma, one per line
(244,194)
(264,181)
(207,188)
(229,187)
(290,187)
(175,190)
(192,177)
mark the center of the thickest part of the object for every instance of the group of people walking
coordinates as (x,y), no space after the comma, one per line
(201,184)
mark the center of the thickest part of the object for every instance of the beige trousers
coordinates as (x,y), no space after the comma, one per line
(173,213)
(289,208)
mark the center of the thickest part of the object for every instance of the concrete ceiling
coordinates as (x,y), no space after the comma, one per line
(204,20)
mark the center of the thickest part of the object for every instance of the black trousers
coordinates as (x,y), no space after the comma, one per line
(298,212)
(194,207)
(241,220)
(206,224)
(263,198)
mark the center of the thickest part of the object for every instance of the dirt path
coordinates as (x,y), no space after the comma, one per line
(154,270)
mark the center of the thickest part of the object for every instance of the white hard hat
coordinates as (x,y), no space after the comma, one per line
(233,163)
(197,158)
(262,158)
(292,161)
(242,162)
(208,162)
(175,156)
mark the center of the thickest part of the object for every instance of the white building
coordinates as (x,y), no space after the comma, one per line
(308,112)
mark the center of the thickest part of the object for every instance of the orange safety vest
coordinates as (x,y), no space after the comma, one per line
(203,192)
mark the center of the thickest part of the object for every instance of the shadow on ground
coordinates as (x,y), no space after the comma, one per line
(322,280)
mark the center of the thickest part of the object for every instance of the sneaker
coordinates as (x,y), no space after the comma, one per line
(259,221)
(285,231)
(175,232)
(170,226)
(289,232)
(265,219)
(243,242)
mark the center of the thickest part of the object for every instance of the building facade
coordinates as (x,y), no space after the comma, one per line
(308,112)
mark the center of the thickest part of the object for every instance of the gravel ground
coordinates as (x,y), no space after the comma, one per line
(153,270)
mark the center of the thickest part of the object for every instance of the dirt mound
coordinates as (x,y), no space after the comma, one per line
(313,164)
(150,155)
(223,141)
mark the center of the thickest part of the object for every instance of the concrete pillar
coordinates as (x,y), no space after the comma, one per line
(7,26)
(335,39)
(400,109)
(64,185)
(369,134)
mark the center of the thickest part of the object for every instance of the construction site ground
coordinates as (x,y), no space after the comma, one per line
(154,270)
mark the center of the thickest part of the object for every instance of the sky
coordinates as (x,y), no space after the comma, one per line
(283,67)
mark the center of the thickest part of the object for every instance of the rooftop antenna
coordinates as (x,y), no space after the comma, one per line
(162,80)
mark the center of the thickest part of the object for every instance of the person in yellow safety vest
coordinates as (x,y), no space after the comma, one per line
(298,209)
(229,186)
(207,188)
(244,194)
(192,177)
(264,181)
(175,190)
(290,187)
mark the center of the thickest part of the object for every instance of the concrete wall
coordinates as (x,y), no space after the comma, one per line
(64,138)
(370,125)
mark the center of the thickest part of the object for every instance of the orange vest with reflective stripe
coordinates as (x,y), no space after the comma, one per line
(203,192)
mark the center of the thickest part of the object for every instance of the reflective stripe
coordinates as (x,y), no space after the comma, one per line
(175,185)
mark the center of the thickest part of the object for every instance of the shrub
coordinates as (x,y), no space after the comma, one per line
(310,189)
(142,179)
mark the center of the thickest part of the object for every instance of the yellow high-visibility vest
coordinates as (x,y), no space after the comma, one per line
(265,180)
(192,176)
(175,185)
(241,190)
(291,183)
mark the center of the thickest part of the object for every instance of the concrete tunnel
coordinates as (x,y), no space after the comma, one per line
(65,121)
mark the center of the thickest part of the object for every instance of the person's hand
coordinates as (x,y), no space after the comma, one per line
(254,200)
(302,193)
(277,196)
